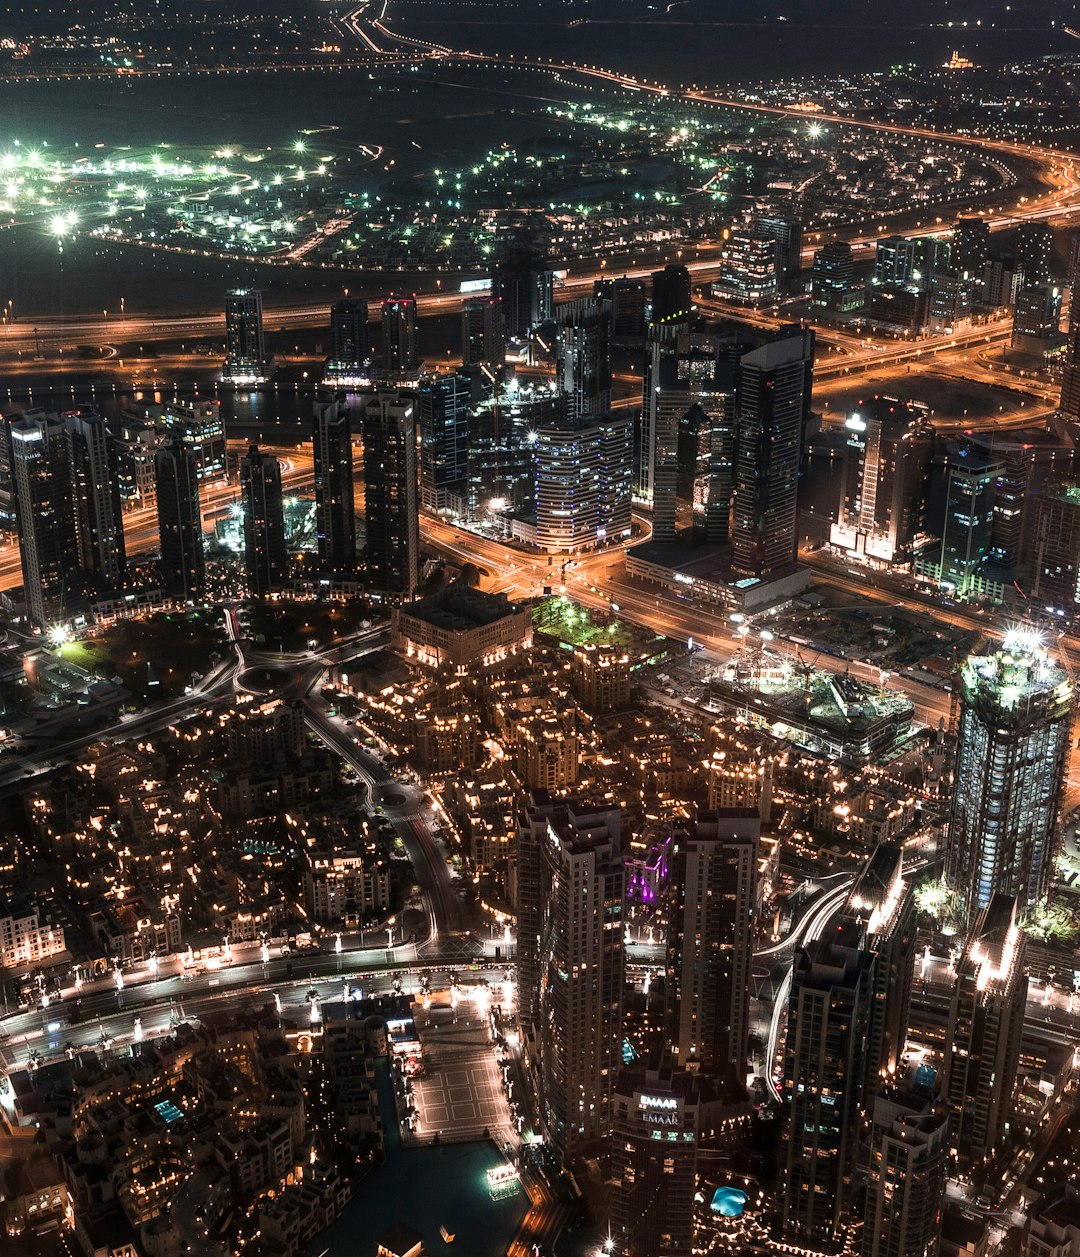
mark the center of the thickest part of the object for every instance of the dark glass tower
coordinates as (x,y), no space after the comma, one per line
(335,508)
(399,334)
(348,336)
(390,495)
(183,564)
(95,484)
(773,398)
(265,557)
(583,356)
(44,514)
(245,348)
(444,403)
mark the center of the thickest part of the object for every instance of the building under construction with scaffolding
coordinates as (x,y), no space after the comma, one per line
(826,713)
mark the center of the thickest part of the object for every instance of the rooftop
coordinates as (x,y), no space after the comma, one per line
(461,608)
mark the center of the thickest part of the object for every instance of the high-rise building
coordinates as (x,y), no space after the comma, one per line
(886,480)
(245,348)
(986,1022)
(670,401)
(747,268)
(583,356)
(266,560)
(1036,327)
(1034,246)
(787,233)
(95,484)
(833,275)
(445,404)
(348,337)
(655,1124)
(883,905)
(1012,747)
(483,332)
(523,282)
(1050,567)
(909,1147)
(911,261)
(664,342)
(335,506)
(183,563)
(824,1074)
(391,501)
(711,940)
(399,335)
(629,302)
(967,530)
(44,513)
(770,415)
(582,475)
(600,676)
(672,297)
(1053,1223)
(571,966)
(1069,404)
(970,245)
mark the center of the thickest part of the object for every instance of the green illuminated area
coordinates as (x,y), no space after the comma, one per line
(575,625)
(224,199)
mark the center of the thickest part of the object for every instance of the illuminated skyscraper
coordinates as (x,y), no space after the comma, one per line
(711,940)
(265,558)
(654,1134)
(773,398)
(747,268)
(909,1145)
(245,348)
(787,233)
(45,518)
(1012,746)
(391,507)
(986,1022)
(483,332)
(970,245)
(629,299)
(829,1011)
(183,563)
(582,474)
(335,508)
(583,356)
(399,335)
(95,484)
(967,532)
(833,275)
(1034,247)
(444,403)
(348,336)
(886,480)
(571,966)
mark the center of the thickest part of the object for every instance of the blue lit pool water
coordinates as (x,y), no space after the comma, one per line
(426,1188)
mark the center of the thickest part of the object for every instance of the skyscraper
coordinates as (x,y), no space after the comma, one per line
(671,399)
(1034,246)
(748,268)
(833,275)
(967,529)
(335,509)
(399,334)
(773,398)
(583,356)
(629,299)
(663,343)
(522,281)
(582,472)
(654,1134)
(390,494)
(672,299)
(571,966)
(787,233)
(986,1021)
(883,906)
(183,563)
(483,332)
(824,1070)
(95,483)
(1050,566)
(348,336)
(711,940)
(44,514)
(245,348)
(909,1145)
(1012,747)
(265,558)
(886,480)
(444,403)
(970,245)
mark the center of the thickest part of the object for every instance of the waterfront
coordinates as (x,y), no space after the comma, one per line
(426,1188)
